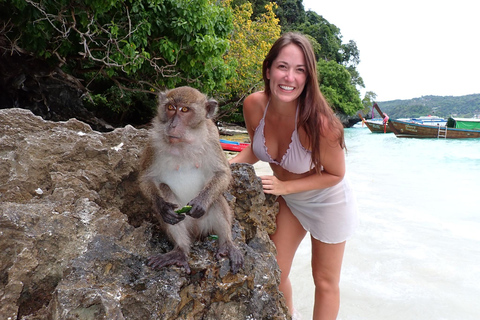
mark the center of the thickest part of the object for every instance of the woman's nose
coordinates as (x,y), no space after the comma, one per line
(289,75)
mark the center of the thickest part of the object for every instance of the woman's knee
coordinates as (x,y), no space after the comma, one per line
(326,284)
(326,265)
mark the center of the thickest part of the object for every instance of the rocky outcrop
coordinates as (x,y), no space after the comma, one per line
(75,234)
(348,121)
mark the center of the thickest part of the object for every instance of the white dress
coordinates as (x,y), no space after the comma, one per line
(330,215)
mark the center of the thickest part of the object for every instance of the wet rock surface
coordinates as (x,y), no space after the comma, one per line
(75,233)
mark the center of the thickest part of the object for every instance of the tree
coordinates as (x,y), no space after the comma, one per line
(350,53)
(290,13)
(325,33)
(336,86)
(250,42)
(369,99)
(119,49)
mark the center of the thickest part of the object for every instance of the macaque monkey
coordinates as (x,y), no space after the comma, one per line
(183,164)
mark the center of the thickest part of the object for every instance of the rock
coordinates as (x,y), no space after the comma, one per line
(348,121)
(75,234)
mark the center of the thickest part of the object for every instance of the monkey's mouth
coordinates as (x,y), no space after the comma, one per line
(174,139)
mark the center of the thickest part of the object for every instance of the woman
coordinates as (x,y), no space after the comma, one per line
(292,128)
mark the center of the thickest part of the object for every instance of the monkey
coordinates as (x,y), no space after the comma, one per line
(183,164)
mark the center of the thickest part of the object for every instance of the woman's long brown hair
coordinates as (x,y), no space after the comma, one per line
(313,106)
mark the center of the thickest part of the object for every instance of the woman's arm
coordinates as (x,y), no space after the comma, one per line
(253,107)
(245,156)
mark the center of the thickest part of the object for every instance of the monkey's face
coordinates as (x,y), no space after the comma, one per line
(183,111)
(180,117)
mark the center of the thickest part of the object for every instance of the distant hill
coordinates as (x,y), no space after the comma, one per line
(462,106)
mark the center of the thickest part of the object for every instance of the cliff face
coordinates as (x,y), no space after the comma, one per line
(75,234)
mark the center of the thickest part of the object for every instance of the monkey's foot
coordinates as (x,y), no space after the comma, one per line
(174,257)
(234,254)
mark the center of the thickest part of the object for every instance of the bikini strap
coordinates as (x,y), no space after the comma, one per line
(296,117)
(266,107)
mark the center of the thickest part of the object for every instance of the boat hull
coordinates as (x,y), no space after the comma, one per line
(376,127)
(233,145)
(403,129)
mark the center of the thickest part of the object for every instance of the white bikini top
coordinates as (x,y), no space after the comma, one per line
(296,159)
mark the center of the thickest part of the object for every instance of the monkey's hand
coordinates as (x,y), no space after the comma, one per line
(166,211)
(198,208)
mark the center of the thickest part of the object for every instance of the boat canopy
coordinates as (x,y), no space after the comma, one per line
(467,123)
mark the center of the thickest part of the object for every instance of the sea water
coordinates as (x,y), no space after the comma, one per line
(416,253)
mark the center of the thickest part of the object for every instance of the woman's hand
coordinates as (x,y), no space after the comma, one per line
(272,185)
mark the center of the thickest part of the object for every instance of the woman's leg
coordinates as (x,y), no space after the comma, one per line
(287,238)
(326,266)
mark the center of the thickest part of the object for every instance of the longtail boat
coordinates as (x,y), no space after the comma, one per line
(380,125)
(375,125)
(454,128)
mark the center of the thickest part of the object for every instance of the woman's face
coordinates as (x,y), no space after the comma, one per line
(288,74)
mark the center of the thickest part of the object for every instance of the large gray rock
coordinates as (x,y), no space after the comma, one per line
(75,234)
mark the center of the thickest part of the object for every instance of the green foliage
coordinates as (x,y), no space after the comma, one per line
(250,42)
(336,86)
(317,48)
(442,106)
(327,43)
(124,50)
(328,47)
(369,99)
(326,34)
(133,45)
(290,13)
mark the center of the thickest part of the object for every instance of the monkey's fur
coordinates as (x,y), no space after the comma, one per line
(183,164)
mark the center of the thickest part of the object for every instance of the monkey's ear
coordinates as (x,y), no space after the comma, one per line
(161,100)
(162,97)
(211,106)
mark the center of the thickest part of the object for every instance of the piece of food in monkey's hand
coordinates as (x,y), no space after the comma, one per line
(184,209)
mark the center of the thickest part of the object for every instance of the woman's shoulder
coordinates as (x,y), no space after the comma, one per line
(253,109)
(256,99)
(255,103)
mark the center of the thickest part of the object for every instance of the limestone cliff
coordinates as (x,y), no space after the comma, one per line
(75,234)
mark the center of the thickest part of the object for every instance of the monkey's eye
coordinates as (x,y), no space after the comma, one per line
(184,109)
(170,107)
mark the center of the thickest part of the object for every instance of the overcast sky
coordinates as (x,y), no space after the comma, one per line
(411,48)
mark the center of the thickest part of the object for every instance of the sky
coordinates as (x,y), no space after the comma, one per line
(410,48)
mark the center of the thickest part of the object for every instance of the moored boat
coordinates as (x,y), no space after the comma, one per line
(453,128)
(376,125)
(380,125)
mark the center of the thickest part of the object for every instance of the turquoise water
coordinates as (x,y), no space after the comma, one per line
(433,179)
(416,254)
